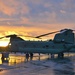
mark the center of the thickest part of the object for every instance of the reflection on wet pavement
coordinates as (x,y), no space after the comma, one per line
(17,64)
(19,58)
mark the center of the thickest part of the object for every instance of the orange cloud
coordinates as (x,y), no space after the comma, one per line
(6,9)
(11,7)
(33,31)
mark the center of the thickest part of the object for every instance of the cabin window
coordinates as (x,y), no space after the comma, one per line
(46,46)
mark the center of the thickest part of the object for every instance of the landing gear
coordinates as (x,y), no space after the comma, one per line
(5,55)
(39,54)
(31,56)
(52,55)
(60,55)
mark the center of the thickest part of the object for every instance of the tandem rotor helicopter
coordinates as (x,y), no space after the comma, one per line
(64,41)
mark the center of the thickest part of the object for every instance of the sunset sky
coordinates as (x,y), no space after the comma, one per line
(35,17)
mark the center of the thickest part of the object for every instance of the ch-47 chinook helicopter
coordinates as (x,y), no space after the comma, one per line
(64,41)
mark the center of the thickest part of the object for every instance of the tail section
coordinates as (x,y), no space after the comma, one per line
(65,35)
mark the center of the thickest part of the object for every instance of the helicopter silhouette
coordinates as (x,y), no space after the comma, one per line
(64,41)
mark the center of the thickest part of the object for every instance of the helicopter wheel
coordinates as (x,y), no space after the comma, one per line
(60,55)
(27,55)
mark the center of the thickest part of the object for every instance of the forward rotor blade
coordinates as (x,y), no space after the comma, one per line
(29,36)
(25,36)
(46,34)
(12,35)
(2,37)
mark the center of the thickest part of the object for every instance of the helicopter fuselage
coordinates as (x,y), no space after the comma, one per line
(62,42)
(41,47)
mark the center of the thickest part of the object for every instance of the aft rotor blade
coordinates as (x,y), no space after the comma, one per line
(47,34)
